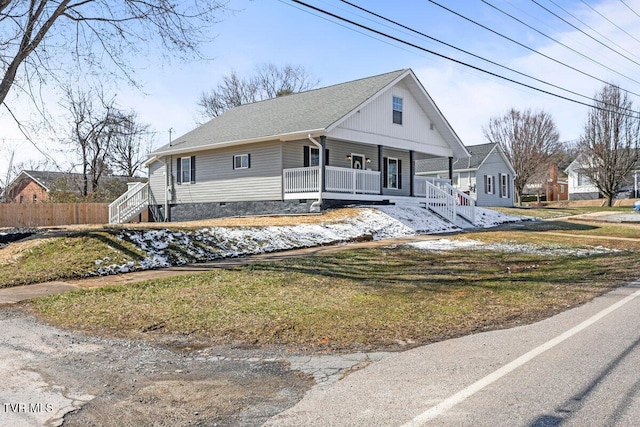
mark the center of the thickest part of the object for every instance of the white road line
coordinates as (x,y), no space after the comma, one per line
(482,383)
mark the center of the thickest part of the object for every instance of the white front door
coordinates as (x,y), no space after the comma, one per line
(357,161)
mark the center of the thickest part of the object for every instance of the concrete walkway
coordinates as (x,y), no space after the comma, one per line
(16,294)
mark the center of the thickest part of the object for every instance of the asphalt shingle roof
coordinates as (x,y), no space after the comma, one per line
(478,154)
(300,112)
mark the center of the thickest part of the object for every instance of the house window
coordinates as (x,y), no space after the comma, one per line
(314,156)
(397,110)
(35,198)
(456,180)
(241,161)
(488,184)
(504,184)
(392,173)
(186,170)
(21,199)
(582,179)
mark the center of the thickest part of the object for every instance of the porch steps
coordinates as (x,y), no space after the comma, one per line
(130,204)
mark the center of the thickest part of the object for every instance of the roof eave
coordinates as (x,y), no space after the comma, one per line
(292,136)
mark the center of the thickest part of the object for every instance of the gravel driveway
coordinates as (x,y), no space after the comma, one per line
(49,377)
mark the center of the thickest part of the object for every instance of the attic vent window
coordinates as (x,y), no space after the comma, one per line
(397,110)
(431,126)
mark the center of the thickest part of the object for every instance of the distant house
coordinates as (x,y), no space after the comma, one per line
(355,142)
(553,186)
(582,188)
(42,186)
(487,175)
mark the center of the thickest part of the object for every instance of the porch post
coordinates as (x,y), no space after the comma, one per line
(451,170)
(412,171)
(323,163)
(381,168)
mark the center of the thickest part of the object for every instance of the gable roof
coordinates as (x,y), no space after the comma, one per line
(479,153)
(48,179)
(295,116)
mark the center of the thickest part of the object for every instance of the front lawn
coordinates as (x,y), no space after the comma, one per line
(355,299)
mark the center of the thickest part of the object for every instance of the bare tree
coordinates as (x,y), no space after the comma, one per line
(130,137)
(94,120)
(530,141)
(37,36)
(609,145)
(269,81)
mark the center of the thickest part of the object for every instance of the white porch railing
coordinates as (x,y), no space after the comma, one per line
(130,204)
(356,181)
(420,188)
(440,202)
(337,180)
(301,180)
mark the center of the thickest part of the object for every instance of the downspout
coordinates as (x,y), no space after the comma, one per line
(317,205)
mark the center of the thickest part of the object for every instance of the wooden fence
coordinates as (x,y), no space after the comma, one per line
(52,214)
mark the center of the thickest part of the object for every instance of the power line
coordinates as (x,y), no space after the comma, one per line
(588,35)
(629,7)
(524,46)
(610,21)
(378,32)
(558,42)
(465,51)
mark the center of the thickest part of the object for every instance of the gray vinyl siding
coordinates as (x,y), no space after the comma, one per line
(293,153)
(339,150)
(403,156)
(157,182)
(217,181)
(493,165)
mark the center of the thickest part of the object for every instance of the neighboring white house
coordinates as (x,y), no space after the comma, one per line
(582,188)
(352,142)
(487,175)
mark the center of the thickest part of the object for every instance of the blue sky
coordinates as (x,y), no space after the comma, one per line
(283,33)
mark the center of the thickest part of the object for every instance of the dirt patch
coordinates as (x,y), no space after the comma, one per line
(131,383)
(10,253)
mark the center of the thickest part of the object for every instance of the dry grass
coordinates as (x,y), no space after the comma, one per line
(364,299)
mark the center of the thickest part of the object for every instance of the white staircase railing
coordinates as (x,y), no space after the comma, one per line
(130,204)
(448,202)
(440,202)
(465,205)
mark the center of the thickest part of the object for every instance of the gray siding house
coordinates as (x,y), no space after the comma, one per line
(355,142)
(487,175)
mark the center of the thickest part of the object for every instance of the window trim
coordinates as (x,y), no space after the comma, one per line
(397,113)
(504,186)
(390,174)
(489,184)
(185,171)
(311,150)
(242,163)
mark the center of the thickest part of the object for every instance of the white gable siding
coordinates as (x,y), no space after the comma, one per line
(373,124)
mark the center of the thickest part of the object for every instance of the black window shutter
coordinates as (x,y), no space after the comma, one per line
(494,185)
(306,156)
(326,157)
(248,160)
(193,169)
(508,186)
(179,171)
(486,183)
(233,162)
(385,169)
(399,174)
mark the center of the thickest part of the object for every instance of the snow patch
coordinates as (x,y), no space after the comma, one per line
(528,248)
(164,248)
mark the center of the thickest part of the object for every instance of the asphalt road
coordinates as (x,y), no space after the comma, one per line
(579,368)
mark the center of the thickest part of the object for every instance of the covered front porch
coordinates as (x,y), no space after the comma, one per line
(345,183)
